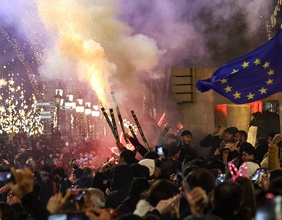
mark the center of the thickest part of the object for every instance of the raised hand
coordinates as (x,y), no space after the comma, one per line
(23,184)
(277,138)
(57,202)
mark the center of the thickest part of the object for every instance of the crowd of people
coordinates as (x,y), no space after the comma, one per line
(60,178)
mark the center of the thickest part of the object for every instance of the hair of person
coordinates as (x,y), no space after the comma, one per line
(216,165)
(231,130)
(190,164)
(275,185)
(203,178)
(249,149)
(228,196)
(275,174)
(87,171)
(249,198)
(160,190)
(60,171)
(243,133)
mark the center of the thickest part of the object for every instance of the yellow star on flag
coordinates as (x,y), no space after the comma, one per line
(234,71)
(257,62)
(269,81)
(223,81)
(237,95)
(228,89)
(12,82)
(245,64)
(266,64)
(270,72)
(263,90)
(250,96)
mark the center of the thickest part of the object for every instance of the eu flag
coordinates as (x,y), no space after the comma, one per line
(252,77)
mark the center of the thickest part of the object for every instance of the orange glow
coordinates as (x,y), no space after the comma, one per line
(256,106)
(222,109)
(161,119)
(70,23)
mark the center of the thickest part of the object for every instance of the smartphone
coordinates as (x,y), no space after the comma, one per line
(220,178)
(68,216)
(160,150)
(258,172)
(186,184)
(77,194)
(6,176)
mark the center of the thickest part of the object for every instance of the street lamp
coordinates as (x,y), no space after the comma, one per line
(87,112)
(58,99)
(95,111)
(69,107)
(96,114)
(79,108)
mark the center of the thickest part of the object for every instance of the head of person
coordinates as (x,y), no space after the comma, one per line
(45,170)
(150,164)
(77,173)
(22,149)
(186,137)
(140,171)
(271,177)
(229,134)
(58,173)
(12,199)
(249,197)
(87,172)
(248,153)
(203,178)
(161,190)
(241,136)
(126,157)
(227,197)
(216,166)
(165,167)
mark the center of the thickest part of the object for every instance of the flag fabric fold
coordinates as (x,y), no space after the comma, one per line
(252,77)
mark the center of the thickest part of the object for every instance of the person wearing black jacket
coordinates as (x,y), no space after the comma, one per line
(185,149)
(62,182)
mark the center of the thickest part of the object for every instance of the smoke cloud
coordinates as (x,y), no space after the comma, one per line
(114,45)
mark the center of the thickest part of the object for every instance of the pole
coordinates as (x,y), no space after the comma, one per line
(115,131)
(119,116)
(108,120)
(58,118)
(132,132)
(140,130)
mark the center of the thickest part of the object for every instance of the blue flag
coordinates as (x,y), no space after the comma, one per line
(252,77)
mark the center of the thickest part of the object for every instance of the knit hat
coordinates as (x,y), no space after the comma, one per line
(150,164)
